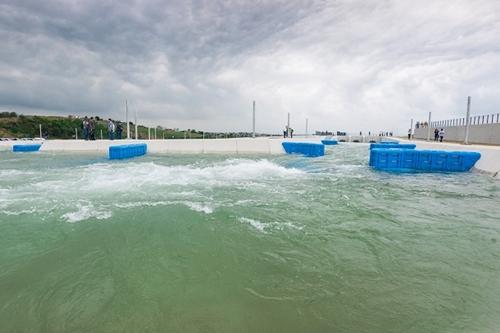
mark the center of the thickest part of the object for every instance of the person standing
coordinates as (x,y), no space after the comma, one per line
(285,132)
(409,134)
(436,134)
(441,135)
(119,130)
(111,129)
(291,133)
(91,126)
(85,128)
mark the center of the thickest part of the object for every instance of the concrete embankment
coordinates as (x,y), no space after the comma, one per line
(188,146)
(489,162)
(490,155)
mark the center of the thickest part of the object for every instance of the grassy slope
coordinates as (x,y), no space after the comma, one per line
(64,128)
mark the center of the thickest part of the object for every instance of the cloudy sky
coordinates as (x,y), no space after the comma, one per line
(346,65)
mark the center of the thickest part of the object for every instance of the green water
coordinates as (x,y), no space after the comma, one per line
(244,244)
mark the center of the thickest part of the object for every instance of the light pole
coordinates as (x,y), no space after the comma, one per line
(429,127)
(288,126)
(253,121)
(126,119)
(467,122)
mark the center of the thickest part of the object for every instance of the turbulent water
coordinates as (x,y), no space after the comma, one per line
(244,244)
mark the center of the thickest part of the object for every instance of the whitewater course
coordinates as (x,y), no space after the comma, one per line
(238,236)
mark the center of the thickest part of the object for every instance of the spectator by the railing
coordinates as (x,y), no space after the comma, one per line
(441,135)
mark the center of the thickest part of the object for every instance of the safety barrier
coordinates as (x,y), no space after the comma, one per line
(329,142)
(422,160)
(26,148)
(127,151)
(305,148)
(388,145)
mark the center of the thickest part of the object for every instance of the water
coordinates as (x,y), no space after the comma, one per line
(244,244)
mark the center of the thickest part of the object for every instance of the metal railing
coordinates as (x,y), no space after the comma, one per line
(473,120)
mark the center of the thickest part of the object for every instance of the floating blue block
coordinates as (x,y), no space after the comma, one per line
(393,145)
(25,148)
(422,160)
(329,142)
(127,151)
(305,148)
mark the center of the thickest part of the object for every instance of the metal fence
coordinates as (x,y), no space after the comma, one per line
(474,120)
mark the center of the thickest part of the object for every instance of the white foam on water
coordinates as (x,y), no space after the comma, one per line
(263,227)
(195,206)
(14,173)
(86,212)
(259,226)
(109,177)
(18,212)
(122,183)
(198,207)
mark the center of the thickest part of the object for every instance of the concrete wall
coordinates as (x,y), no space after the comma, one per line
(482,134)
(188,146)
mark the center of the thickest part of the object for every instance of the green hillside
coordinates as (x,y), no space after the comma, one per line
(54,127)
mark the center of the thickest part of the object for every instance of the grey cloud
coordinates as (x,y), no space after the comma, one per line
(351,65)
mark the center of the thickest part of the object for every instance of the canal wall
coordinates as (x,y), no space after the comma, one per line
(481,133)
(271,146)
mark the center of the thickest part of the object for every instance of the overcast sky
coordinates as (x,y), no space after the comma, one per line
(346,65)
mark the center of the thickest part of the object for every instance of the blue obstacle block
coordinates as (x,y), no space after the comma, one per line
(393,145)
(127,151)
(26,148)
(405,160)
(305,148)
(329,142)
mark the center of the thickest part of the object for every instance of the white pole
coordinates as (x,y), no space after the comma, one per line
(101,134)
(429,127)
(253,121)
(40,131)
(155,133)
(288,125)
(149,133)
(307,127)
(76,133)
(136,124)
(467,122)
(126,119)
(411,128)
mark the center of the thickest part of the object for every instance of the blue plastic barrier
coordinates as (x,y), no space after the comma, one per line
(25,148)
(305,148)
(389,145)
(405,160)
(329,142)
(127,151)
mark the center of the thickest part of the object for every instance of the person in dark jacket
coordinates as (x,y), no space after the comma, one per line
(119,130)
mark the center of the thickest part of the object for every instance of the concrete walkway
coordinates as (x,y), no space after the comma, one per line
(189,146)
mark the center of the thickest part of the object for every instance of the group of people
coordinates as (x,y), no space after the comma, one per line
(89,127)
(421,124)
(439,135)
(288,132)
